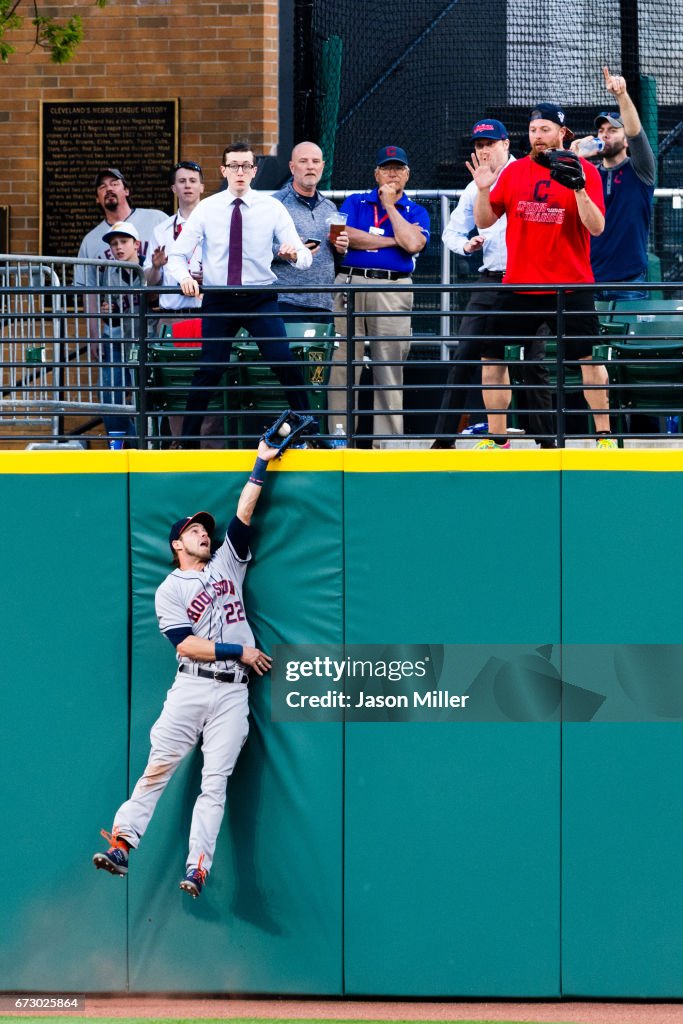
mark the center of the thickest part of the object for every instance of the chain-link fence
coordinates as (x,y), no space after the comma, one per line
(420,74)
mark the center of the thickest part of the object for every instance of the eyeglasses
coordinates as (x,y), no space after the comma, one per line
(239,167)
(187,165)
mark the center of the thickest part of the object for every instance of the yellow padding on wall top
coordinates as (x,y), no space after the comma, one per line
(233,461)
(60,462)
(349,461)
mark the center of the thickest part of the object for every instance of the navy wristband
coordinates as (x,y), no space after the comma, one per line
(258,473)
(225,651)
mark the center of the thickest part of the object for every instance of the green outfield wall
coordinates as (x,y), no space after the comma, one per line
(389,858)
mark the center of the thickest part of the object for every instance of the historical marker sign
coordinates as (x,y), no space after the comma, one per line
(77,138)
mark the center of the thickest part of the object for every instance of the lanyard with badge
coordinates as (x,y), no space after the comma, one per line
(376,229)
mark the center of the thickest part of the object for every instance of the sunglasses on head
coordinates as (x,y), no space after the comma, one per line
(186,165)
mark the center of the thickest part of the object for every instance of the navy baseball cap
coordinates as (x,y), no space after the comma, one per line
(109,172)
(489,128)
(550,112)
(612,117)
(387,154)
(205,518)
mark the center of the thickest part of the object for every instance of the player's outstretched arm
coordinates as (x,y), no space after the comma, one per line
(251,492)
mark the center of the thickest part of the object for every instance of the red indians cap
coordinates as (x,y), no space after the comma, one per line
(205,518)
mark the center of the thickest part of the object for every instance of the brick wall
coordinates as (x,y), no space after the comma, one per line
(219,58)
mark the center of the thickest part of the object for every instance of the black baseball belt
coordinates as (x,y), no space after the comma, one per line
(220,677)
(380,275)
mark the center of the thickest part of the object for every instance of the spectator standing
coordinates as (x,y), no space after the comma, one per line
(309,211)
(235,229)
(386,231)
(112,195)
(187,184)
(548,242)
(491,144)
(119,322)
(628,171)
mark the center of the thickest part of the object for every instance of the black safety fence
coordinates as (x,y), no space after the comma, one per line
(84,366)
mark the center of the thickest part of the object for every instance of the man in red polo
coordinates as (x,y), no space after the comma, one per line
(549,228)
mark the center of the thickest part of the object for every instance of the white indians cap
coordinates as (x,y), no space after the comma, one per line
(122,227)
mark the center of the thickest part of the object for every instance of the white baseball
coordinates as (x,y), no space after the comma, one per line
(284,430)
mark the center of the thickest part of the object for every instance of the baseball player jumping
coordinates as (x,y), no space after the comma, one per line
(200,608)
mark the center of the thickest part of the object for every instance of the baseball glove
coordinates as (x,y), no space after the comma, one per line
(564,166)
(289,429)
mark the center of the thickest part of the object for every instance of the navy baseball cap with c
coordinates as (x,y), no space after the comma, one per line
(205,518)
(489,128)
(551,112)
(612,117)
(391,154)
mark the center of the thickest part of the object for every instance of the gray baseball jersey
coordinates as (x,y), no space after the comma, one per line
(93,246)
(210,602)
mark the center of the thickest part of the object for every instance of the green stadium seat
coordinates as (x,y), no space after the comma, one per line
(170,372)
(661,329)
(644,378)
(643,310)
(311,344)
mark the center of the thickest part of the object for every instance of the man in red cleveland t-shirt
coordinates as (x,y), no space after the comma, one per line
(549,227)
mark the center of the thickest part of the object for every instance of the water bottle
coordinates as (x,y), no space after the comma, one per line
(476,428)
(590,147)
(339,436)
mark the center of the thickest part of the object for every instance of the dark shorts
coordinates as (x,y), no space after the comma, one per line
(523,314)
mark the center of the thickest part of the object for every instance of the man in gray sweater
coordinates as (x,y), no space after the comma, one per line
(309,211)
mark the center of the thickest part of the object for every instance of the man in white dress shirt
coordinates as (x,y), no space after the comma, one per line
(492,145)
(187,184)
(235,229)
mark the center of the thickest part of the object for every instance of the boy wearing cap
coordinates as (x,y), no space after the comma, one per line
(119,320)
(200,609)
(387,231)
(549,226)
(628,173)
(112,197)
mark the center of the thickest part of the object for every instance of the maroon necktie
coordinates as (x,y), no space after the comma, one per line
(235,246)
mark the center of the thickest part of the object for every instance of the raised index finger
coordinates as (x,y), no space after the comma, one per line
(606,73)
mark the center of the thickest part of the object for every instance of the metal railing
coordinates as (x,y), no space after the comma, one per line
(75,355)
